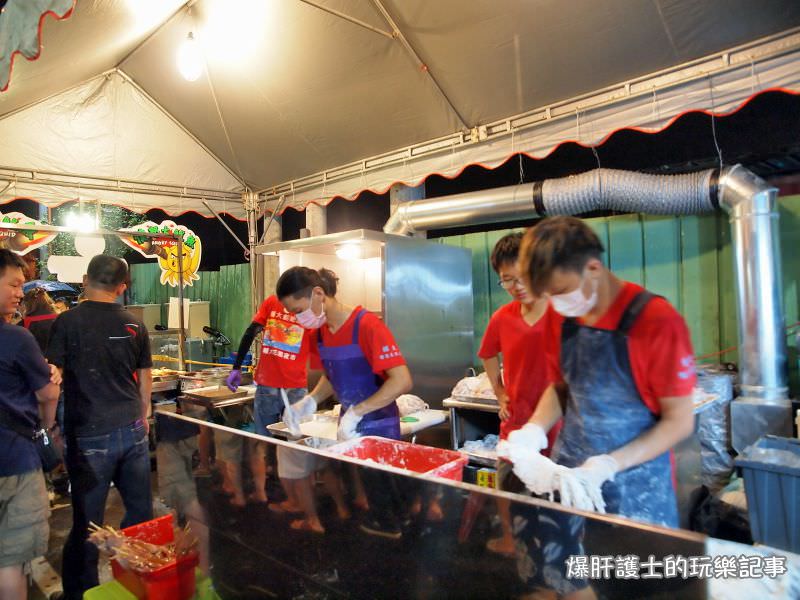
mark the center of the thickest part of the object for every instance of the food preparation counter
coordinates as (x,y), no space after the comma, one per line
(324,424)
(165,384)
(231,406)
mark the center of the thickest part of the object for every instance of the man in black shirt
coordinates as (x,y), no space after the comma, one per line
(104,354)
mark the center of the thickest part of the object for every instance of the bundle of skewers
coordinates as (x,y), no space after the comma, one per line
(137,555)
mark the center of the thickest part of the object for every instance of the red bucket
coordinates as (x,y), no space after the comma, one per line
(427,460)
(175,581)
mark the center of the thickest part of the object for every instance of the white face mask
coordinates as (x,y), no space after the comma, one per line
(309,319)
(574,303)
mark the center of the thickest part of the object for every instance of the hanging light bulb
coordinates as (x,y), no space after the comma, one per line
(190,59)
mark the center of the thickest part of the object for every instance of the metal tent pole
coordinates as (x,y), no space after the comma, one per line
(250,201)
(181,326)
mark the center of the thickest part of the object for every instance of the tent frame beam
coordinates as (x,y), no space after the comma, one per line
(229,230)
(703,68)
(183,128)
(165,112)
(185,6)
(353,20)
(421,65)
(131,186)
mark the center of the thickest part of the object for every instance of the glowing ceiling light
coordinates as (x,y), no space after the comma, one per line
(349,251)
(81,222)
(190,59)
(235,29)
(148,14)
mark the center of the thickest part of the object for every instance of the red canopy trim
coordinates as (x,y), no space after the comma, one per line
(669,123)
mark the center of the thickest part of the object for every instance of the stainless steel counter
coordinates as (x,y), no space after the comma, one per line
(472,419)
(165,385)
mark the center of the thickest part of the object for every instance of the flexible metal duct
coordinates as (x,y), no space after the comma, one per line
(627,191)
(601,189)
(751,204)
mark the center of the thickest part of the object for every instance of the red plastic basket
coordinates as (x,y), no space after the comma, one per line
(427,460)
(171,582)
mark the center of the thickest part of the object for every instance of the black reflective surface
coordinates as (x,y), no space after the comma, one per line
(420,538)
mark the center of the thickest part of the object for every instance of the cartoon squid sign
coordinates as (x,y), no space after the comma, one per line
(166,250)
(25,240)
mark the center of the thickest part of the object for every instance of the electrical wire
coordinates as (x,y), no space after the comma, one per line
(714,121)
(732,348)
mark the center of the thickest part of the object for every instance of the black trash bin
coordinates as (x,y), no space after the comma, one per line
(771,470)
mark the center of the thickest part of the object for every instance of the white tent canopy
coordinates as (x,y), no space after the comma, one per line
(109,128)
(304,103)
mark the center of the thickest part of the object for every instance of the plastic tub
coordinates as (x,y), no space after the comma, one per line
(171,582)
(426,460)
(771,470)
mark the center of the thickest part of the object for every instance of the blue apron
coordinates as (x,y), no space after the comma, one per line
(352,379)
(605,411)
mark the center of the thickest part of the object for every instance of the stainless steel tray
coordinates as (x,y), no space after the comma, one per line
(483,404)
(218,396)
(318,443)
(281,430)
(199,379)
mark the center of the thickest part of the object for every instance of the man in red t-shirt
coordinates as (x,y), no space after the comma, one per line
(627,360)
(524,331)
(282,365)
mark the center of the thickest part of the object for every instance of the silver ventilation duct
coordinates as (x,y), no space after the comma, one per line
(763,406)
(474,208)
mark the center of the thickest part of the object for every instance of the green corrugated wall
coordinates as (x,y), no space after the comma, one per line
(228,290)
(685,259)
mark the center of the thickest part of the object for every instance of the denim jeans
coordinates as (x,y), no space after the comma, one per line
(268,405)
(93,463)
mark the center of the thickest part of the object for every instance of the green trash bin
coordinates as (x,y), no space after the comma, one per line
(771,471)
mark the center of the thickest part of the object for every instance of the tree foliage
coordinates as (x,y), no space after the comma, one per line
(111,217)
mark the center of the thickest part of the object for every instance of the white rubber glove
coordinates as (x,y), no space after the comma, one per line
(592,474)
(597,469)
(529,436)
(295,413)
(538,473)
(574,493)
(347,425)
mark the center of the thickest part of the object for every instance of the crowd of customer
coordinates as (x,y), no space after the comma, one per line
(101,353)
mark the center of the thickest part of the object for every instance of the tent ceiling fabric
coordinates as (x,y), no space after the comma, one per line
(315,91)
(97,35)
(108,128)
(586,122)
(322,89)
(19,30)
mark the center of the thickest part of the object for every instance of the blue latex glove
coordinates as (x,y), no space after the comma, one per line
(234,380)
